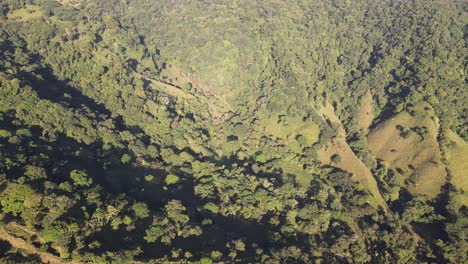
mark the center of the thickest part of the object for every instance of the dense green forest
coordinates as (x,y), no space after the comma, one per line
(241,131)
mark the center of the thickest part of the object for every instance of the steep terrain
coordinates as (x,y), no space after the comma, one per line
(347,159)
(183,131)
(457,157)
(408,142)
(366,116)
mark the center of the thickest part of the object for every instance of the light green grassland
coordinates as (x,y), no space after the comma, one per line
(27,13)
(289,128)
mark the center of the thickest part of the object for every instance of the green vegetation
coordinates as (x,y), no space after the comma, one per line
(28,12)
(233,131)
(456,153)
(408,143)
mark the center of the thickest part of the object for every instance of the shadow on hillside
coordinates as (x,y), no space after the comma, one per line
(106,170)
(112,176)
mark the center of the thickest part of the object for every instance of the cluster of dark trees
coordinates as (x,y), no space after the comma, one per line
(109,153)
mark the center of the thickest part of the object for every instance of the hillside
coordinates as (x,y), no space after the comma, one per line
(457,157)
(408,143)
(181,131)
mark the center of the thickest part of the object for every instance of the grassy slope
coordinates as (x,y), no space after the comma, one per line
(457,157)
(287,131)
(419,159)
(26,13)
(365,112)
(291,128)
(349,161)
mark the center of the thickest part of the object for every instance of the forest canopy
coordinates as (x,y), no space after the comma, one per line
(331,131)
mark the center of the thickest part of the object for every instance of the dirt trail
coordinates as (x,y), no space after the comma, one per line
(456,155)
(22,244)
(74,3)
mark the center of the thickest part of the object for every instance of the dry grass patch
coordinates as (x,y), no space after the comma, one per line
(352,164)
(365,112)
(349,162)
(75,3)
(417,157)
(457,159)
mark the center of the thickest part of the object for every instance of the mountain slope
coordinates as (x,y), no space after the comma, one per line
(233,131)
